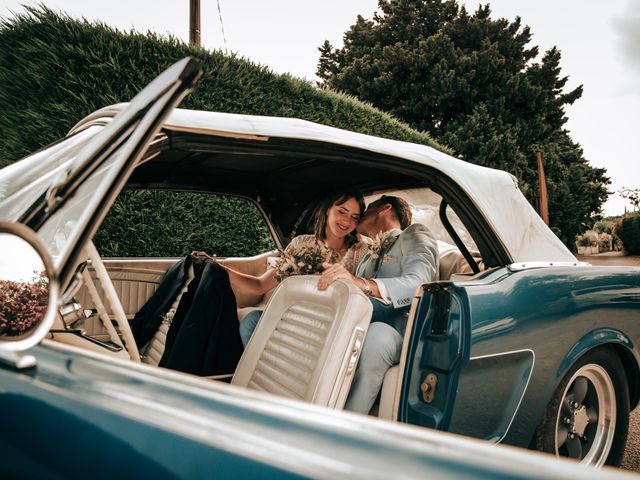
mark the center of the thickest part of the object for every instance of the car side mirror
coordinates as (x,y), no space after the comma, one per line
(29,289)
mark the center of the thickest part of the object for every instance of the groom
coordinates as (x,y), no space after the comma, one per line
(408,257)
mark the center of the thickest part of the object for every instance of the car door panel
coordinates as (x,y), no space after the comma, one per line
(134,281)
(487,381)
(438,350)
(526,324)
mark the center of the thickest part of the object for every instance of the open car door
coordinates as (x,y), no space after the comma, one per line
(437,349)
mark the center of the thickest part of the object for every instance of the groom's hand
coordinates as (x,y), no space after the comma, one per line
(333,272)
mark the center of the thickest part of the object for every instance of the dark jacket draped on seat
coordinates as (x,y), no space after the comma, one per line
(203,337)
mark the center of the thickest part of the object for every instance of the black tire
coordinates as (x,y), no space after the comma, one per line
(570,429)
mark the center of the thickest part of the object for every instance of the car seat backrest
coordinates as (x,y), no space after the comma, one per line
(453,262)
(308,342)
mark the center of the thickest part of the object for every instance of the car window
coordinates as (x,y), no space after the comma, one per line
(425,206)
(163,223)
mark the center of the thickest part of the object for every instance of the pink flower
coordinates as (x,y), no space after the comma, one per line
(22,304)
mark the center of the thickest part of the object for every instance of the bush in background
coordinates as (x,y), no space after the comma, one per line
(603,226)
(629,232)
(605,242)
(587,239)
(22,304)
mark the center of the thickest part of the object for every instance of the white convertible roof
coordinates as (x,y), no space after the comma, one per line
(494,192)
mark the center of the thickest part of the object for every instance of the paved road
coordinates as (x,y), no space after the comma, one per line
(631,460)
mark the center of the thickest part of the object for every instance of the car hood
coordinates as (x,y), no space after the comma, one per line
(495,193)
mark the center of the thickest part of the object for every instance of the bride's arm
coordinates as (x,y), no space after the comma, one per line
(251,284)
(259,285)
(254,285)
(243,282)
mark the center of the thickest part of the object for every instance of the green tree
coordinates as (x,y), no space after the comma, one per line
(575,188)
(473,83)
(631,194)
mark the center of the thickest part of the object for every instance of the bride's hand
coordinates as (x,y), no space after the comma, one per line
(196,253)
(333,272)
(219,261)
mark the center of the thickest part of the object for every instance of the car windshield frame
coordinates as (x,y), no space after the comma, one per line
(118,147)
(23,183)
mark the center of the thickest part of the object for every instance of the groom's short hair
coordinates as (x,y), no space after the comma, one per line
(400,208)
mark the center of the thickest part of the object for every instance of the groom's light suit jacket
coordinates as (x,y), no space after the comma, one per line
(408,261)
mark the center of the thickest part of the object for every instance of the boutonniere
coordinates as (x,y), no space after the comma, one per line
(378,244)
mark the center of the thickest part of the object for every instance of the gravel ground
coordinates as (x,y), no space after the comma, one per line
(631,460)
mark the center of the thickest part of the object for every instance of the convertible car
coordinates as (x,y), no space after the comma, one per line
(516,343)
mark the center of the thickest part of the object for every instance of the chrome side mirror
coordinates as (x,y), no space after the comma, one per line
(29,288)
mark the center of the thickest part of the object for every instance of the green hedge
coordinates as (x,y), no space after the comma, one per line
(54,70)
(160,223)
(629,232)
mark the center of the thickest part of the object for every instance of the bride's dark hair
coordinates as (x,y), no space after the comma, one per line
(320,216)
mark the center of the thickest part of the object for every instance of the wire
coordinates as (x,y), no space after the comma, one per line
(224,38)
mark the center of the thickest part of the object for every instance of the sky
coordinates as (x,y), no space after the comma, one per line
(599,42)
(23,262)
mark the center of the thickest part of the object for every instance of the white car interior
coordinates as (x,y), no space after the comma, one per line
(327,327)
(308,343)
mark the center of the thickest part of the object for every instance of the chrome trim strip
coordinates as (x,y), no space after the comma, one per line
(533,363)
(518,267)
(347,369)
(503,353)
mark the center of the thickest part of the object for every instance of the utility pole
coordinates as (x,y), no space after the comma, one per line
(542,192)
(194,22)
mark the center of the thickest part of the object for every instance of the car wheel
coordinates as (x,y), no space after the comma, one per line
(587,418)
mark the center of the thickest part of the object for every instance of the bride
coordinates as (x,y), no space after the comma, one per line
(334,227)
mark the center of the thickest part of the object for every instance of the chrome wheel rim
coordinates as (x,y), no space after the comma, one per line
(586,420)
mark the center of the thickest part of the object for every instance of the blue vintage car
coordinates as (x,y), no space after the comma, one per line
(517,343)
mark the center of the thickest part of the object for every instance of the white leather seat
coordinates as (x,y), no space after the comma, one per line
(388,394)
(452,262)
(308,342)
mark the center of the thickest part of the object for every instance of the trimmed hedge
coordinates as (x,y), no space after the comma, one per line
(629,232)
(157,223)
(54,70)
